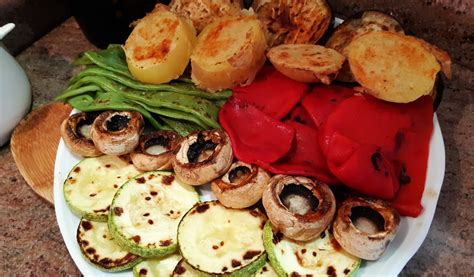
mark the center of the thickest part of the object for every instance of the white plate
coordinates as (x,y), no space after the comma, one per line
(412,230)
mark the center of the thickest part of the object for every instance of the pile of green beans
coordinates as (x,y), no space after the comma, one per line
(106,84)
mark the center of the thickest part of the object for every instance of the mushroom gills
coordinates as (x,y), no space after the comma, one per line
(239,174)
(117,122)
(201,149)
(367,220)
(99,248)
(298,199)
(321,256)
(157,146)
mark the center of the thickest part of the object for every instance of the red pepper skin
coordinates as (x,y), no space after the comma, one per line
(272,92)
(363,126)
(305,157)
(255,136)
(323,100)
(300,115)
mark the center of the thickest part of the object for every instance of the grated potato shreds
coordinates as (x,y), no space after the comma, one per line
(306,62)
(392,66)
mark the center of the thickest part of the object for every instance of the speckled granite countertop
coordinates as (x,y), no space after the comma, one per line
(30,242)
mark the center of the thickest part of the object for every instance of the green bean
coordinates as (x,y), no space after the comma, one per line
(109,101)
(77,91)
(112,58)
(173,114)
(181,127)
(184,88)
(202,109)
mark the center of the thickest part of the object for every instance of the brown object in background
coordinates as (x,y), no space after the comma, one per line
(34,143)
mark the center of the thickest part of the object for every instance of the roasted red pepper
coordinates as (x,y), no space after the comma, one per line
(305,157)
(255,136)
(272,92)
(323,100)
(375,146)
(299,114)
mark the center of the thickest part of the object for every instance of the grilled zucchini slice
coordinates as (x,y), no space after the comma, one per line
(100,249)
(266,271)
(145,213)
(92,184)
(218,240)
(319,257)
(183,269)
(162,267)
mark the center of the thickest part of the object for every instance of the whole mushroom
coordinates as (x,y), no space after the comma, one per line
(75,131)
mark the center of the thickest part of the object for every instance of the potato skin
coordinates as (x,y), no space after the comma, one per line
(159,54)
(229,52)
(204,12)
(295,21)
(306,62)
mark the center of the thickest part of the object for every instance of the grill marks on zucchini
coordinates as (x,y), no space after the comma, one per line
(218,240)
(319,257)
(146,211)
(157,267)
(92,184)
(99,248)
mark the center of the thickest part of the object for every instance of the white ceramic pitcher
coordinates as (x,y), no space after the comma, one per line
(15,94)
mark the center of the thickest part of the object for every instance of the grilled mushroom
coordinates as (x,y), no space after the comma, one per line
(203,156)
(365,227)
(155,151)
(242,186)
(117,132)
(298,207)
(75,131)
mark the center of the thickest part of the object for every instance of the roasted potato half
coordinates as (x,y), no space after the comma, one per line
(392,67)
(203,12)
(159,47)
(306,62)
(367,21)
(294,22)
(229,52)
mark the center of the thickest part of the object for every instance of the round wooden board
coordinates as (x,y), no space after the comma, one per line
(34,143)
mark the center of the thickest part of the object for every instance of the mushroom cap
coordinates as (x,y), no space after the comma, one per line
(117,139)
(361,243)
(243,192)
(207,168)
(301,227)
(76,140)
(145,161)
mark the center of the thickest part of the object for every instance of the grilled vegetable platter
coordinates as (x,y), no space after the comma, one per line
(223,141)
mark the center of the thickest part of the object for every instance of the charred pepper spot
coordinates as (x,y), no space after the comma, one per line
(141,180)
(239,174)
(403,177)
(202,208)
(375,158)
(117,122)
(199,147)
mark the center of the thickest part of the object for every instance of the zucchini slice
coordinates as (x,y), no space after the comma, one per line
(162,267)
(92,184)
(146,211)
(266,271)
(319,257)
(100,249)
(218,240)
(183,269)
